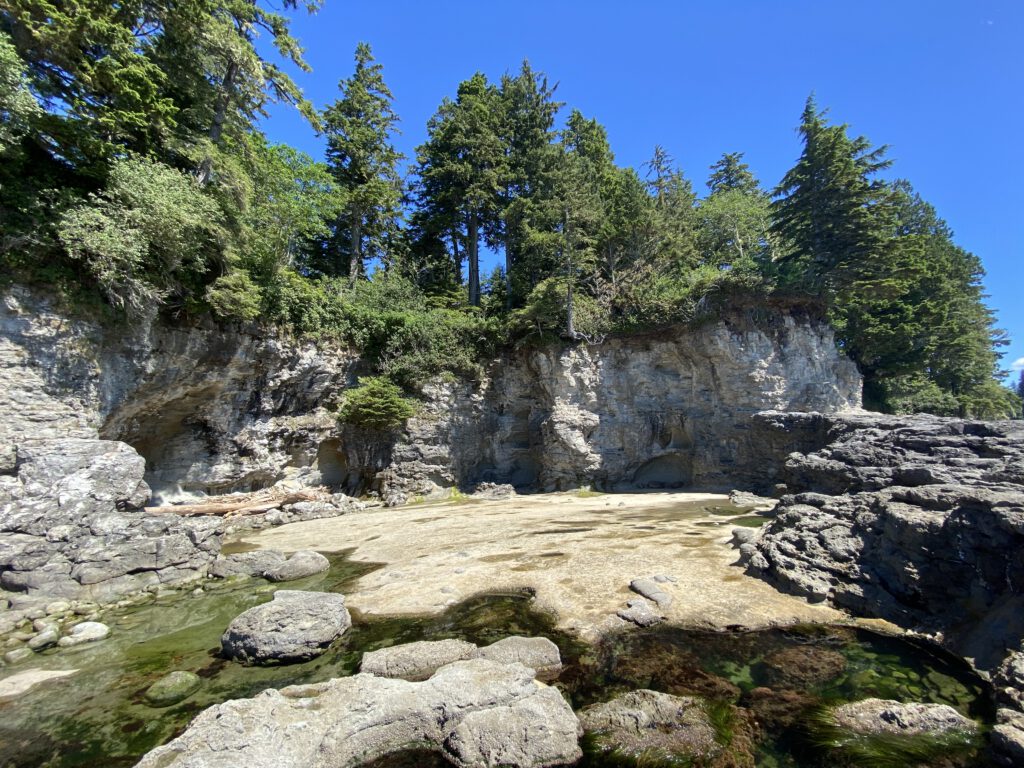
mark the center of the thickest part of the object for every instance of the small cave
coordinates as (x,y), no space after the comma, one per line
(333,466)
(673,470)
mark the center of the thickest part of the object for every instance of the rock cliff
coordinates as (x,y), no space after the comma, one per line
(215,410)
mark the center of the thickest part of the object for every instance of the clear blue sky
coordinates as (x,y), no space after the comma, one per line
(942,82)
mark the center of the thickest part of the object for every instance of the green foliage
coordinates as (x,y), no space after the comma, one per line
(375,404)
(18,107)
(543,315)
(147,235)
(234,296)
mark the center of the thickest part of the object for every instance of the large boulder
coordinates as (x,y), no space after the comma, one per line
(294,626)
(465,711)
(650,726)
(538,653)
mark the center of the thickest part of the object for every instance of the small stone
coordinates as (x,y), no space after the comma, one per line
(57,608)
(44,639)
(639,612)
(86,632)
(18,655)
(172,688)
(650,589)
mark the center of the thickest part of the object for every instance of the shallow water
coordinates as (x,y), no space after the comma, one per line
(98,717)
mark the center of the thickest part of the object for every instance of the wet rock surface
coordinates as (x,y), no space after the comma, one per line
(172,688)
(294,626)
(880,716)
(477,712)
(651,726)
(802,667)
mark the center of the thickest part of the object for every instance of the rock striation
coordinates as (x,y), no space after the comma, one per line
(918,520)
(479,713)
(214,410)
(71,525)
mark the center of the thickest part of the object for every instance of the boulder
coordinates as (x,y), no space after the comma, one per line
(246,563)
(1007,738)
(535,731)
(538,653)
(350,721)
(85,632)
(415,661)
(640,612)
(172,689)
(294,626)
(303,563)
(650,726)
(871,717)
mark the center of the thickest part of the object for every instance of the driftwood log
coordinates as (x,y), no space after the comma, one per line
(242,504)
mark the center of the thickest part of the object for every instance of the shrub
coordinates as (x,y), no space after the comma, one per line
(376,404)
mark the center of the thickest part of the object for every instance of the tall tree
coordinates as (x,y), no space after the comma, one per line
(829,211)
(359,128)
(527,207)
(460,168)
(734,218)
(673,238)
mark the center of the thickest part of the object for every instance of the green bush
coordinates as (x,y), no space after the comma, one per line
(234,296)
(376,404)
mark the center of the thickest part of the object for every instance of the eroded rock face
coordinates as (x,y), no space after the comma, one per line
(215,410)
(71,525)
(294,626)
(918,520)
(477,712)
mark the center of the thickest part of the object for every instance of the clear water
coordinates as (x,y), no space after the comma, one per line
(98,717)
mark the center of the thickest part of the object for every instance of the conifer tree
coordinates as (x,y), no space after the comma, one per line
(829,211)
(731,173)
(460,169)
(363,161)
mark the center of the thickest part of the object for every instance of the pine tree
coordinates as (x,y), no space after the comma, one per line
(364,163)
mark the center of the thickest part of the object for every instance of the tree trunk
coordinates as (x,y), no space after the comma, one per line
(220,116)
(355,258)
(474,260)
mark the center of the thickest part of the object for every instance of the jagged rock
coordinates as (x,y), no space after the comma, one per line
(880,716)
(352,720)
(172,688)
(641,613)
(294,626)
(84,632)
(1007,738)
(494,491)
(538,653)
(415,661)
(944,544)
(1009,679)
(752,501)
(649,588)
(651,726)
(301,564)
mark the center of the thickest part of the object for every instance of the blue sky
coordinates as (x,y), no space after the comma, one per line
(942,82)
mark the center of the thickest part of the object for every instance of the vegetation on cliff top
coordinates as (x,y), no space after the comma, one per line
(133,169)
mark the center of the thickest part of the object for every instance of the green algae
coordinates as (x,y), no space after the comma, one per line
(100,716)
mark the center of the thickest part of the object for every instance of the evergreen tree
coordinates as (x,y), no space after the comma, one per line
(528,211)
(364,163)
(1020,386)
(828,211)
(460,169)
(731,173)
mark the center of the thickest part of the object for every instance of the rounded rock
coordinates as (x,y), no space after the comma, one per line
(294,626)
(172,688)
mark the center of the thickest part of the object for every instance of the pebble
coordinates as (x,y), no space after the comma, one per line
(44,639)
(86,632)
(18,654)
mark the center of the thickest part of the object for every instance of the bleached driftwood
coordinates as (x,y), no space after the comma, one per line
(242,504)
